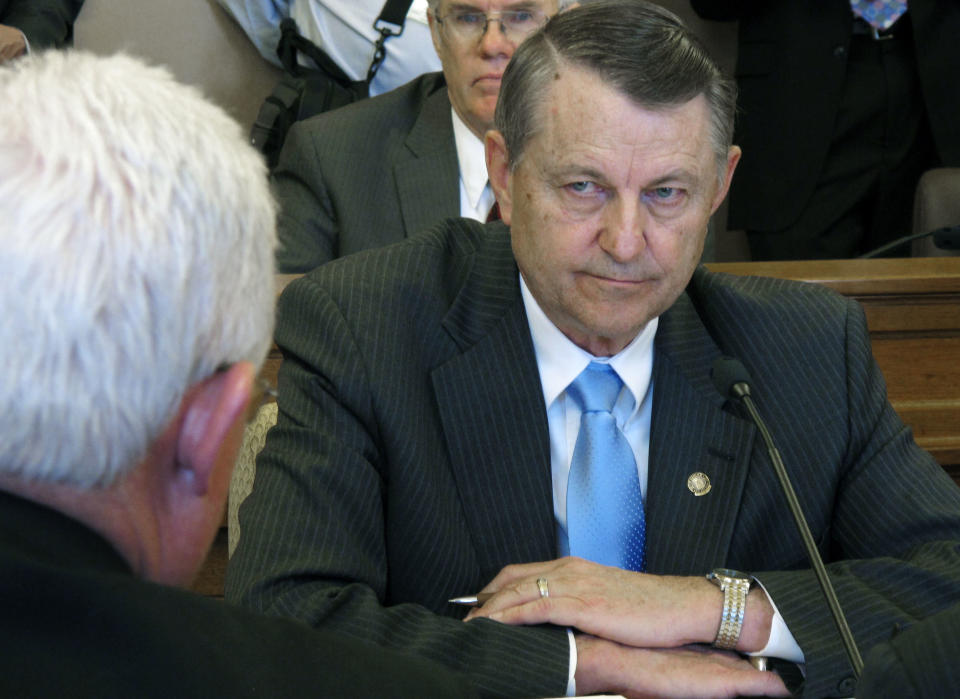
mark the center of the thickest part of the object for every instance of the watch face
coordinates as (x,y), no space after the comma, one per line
(728,573)
(717,573)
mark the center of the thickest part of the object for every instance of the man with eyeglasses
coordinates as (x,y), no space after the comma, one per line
(382,169)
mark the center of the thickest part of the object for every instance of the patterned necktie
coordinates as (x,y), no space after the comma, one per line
(605,520)
(880,14)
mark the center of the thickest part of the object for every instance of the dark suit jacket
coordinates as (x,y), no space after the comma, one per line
(46,23)
(791,66)
(367,175)
(77,623)
(411,460)
(919,663)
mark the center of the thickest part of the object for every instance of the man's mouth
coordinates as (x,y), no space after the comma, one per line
(488,78)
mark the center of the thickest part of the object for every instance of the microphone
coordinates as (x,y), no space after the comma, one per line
(732,380)
(946,238)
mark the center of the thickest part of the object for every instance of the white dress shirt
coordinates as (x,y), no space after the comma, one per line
(559,362)
(476,196)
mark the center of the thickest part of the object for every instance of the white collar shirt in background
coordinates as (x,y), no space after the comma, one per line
(476,196)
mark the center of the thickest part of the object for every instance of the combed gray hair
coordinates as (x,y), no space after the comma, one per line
(639,48)
(137,235)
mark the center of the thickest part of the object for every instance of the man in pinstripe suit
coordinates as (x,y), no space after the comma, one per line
(424,430)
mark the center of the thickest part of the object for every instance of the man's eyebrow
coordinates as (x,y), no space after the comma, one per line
(574,171)
(682,176)
(585,172)
(464,7)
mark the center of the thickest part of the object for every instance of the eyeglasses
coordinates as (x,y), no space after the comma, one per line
(516,25)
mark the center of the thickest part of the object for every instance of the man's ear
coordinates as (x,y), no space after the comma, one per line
(499,172)
(214,411)
(435,34)
(733,157)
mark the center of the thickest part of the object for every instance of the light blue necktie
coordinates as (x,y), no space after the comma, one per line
(880,14)
(605,520)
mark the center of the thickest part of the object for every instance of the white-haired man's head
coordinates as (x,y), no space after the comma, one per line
(137,232)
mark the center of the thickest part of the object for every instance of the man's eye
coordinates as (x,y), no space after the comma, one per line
(469,19)
(582,187)
(665,195)
(519,17)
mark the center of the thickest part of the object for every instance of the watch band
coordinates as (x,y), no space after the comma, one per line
(735,586)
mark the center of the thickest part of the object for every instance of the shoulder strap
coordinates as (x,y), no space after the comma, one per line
(293,42)
(389,23)
(394,12)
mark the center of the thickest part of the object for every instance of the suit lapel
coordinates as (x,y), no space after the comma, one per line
(491,406)
(691,432)
(427,173)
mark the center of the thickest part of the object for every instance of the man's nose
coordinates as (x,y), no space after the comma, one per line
(623,236)
(494,40)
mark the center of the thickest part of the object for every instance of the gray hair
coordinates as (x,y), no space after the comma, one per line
(639,48)
(138,233)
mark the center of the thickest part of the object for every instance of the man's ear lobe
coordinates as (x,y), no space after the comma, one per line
(498,172)
(435,34)
(213,408)
(733,157)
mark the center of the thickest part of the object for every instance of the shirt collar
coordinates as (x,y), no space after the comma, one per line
(472,160)
(560,361)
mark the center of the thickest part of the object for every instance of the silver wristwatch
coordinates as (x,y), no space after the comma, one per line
(735,586)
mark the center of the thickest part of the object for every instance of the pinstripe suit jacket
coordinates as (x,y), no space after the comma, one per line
(367,175)
(917,664)
(411,460)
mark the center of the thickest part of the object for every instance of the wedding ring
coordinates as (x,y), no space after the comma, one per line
(542,586)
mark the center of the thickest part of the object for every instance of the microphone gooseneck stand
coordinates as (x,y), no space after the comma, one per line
(732,379)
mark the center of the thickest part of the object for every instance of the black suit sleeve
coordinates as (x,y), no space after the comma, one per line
(46,23)
(892,531)
(320,534)
(920,662)
(308,228)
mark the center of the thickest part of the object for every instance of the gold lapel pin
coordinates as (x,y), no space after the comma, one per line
(699,483)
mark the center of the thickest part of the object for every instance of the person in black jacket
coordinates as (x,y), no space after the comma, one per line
(837,122)
(137,284)
(27,25)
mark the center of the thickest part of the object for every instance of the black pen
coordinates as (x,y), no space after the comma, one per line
(476,600)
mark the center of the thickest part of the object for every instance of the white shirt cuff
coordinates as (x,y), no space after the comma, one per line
(781,643)
(571,673)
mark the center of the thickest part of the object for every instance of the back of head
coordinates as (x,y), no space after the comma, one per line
(137,234)
(639,48)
